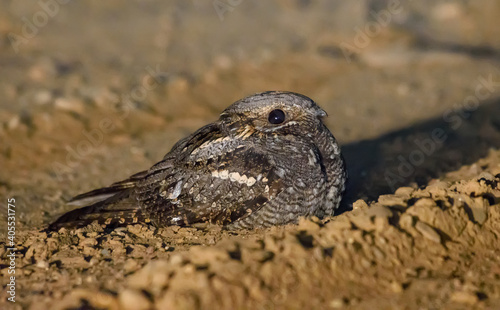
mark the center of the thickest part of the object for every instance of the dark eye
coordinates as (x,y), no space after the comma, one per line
(276,117)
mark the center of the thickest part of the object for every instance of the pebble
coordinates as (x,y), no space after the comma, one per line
(42,97)
(428,232)
(396,287)
(379,211)
(404,191)
(42,264)
(42,71)
(90,242)
(479,214)
(378,253)
(406,221)
(363,222)
(307,225)
(473,188)
(130,265)
(337,303)
(69,104)
(179,84)
(464,298)
(176,260)
(14,122)
(438,189)
(425,203)
(391,200)
(105,252)
(381,223)
(487,176)
(95,300)
(154,276)
(421,194)
(133,300)
(359,204)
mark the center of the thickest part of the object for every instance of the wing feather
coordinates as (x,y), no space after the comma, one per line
(232,183)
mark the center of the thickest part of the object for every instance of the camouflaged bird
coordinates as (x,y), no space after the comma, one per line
(268,160)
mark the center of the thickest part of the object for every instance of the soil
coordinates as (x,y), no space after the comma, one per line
(100,90)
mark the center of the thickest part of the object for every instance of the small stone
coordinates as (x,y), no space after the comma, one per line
(363,222)
(14,122)
(365,263)
(62,230)
(381,223)
(396,287)
(337,303)
(307,225)
(29,253)
(428,232)
(154,276)
(201,256)
(94,261)
(69,104)
(95,300)
(105,252)
(438,189)
(42,264)
(92,234)
(338,224)
(133,299)
(43,97)
(88,251)
(425,203)
(176,260)
(130,265)
(89,242)
(421,194)
(479,214)
(179,84)
(473,188)
(406,221)
(42,71)
(487,176)
(359,204)
(404,191)
(379,211)
(391,200)
(464,298)
(378,253)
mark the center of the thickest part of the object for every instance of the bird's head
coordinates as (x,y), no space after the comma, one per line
(273,113)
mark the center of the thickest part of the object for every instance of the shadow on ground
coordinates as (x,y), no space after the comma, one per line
(418,153)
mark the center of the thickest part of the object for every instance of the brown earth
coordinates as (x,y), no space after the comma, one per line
(417,110)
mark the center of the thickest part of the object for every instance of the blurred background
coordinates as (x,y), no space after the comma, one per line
(93,91)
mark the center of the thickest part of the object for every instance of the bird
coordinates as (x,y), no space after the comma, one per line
(268,160)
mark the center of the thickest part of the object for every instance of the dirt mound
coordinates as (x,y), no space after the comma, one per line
(404,247)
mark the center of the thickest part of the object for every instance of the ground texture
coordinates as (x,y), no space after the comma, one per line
(415,102)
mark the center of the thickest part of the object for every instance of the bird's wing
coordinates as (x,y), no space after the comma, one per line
(104,193)
(217,179)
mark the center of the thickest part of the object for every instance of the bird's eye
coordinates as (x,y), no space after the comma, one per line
(276,117)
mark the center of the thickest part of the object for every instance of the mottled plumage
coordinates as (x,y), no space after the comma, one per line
(268,160)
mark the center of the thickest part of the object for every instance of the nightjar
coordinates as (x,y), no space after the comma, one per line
(268,160)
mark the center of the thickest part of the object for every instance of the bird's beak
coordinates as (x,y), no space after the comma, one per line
(320,112)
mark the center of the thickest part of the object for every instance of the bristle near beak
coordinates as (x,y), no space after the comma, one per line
(320,112)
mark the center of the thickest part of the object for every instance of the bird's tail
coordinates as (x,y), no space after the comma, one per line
(109,206)
(118,210)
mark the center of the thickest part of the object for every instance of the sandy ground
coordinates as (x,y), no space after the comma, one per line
(99,90)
